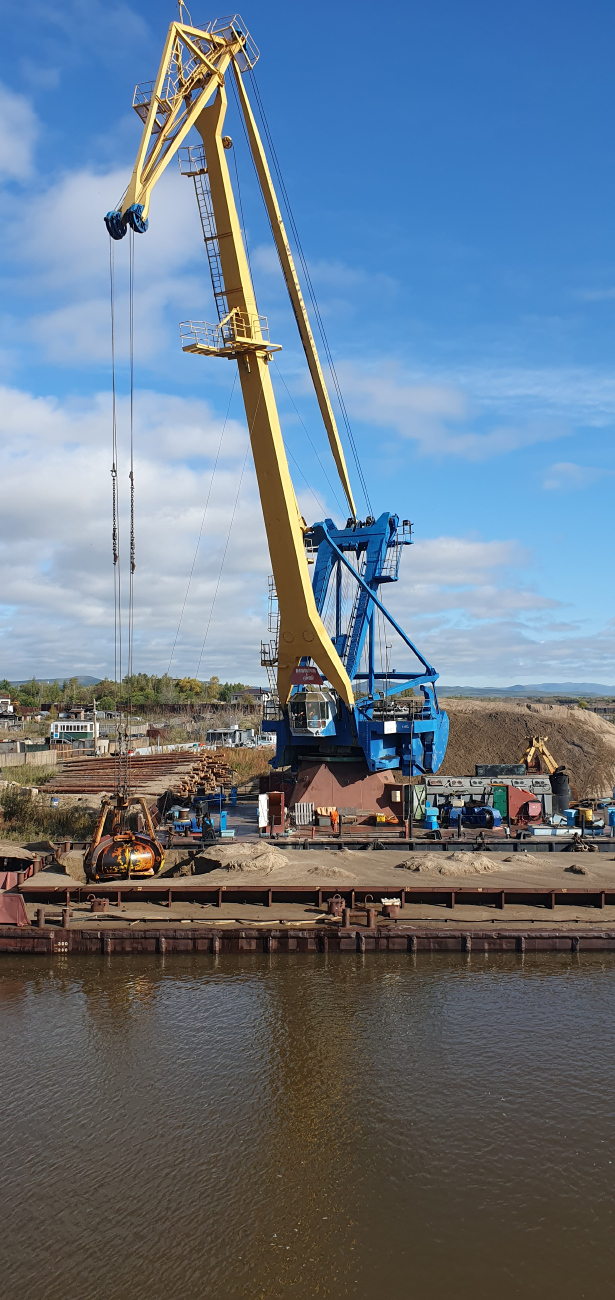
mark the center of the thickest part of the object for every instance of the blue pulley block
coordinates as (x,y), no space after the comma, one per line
(134,216)
(115,225)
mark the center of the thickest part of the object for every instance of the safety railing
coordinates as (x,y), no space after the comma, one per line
(389,571)
(236,329)
(192,161)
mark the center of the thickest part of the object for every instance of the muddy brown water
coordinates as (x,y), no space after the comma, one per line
(192,1126)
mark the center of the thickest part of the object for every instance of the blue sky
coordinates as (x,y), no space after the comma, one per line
(451,172)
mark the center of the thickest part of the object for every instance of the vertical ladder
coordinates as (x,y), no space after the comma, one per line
(212,246)
(192,163)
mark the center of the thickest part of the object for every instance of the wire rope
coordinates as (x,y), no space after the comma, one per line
(131,476)
(198,543)
(243,221)
(305,479)
(117,569)
(312,445)
(311,291)
(279,372)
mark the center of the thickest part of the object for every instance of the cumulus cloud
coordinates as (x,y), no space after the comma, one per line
(470,604)
(473,610)
(55,537)
(64,261)
(18,135)
(568,477)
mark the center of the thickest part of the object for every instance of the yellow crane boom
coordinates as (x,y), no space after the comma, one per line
(192,74)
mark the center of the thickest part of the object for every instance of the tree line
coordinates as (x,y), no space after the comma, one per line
(139,690)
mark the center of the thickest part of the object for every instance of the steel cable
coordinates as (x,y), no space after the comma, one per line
(311,291)
(117,570)
(131,476)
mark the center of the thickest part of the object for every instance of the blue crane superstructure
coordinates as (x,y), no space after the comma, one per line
(396,721)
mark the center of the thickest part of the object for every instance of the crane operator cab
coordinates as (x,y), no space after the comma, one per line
(312,711)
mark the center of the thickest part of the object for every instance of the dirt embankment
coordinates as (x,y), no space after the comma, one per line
(496,731)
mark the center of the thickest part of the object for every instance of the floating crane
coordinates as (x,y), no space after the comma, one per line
(336,699)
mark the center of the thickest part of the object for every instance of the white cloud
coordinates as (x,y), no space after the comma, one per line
(55,537)
(65,262)
(570,394)
(434,415)
(568,477)
(18,135)
(465,580)
(472,609)
(470,604)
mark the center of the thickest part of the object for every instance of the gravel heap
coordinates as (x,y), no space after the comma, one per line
(496,731)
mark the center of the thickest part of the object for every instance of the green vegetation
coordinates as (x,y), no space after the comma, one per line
(26,817)
(36,776)
(247,763)
(140,690)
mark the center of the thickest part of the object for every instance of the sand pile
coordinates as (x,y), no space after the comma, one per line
(496,731)
(247,858)
(330,873)
(14,851)
(71,863)
(455,864)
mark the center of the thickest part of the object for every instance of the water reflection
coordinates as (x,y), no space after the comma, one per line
(343,1125)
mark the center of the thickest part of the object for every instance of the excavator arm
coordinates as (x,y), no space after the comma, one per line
(537,753)
(192,75)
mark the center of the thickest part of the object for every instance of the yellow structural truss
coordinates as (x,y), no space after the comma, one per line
(189,91)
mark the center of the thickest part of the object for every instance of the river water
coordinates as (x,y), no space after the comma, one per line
(297,1126)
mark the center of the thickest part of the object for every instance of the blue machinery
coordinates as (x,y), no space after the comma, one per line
(396,721)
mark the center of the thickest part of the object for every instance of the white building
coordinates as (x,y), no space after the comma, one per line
(63,728)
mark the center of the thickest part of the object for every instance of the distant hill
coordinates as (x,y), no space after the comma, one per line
(60,677)
(581,689)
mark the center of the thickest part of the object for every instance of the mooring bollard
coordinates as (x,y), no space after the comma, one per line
(371,918)
(345,917)
(65,917)
(21,875)
(40,918)
(36,865)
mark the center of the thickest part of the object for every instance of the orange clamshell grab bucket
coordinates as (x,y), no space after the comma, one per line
(126,854)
